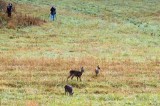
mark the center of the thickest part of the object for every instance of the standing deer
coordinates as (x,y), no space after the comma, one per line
(68,89)
(97,70)
(76,73)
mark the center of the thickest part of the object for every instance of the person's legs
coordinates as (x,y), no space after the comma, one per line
(9,14)
(54,17)
(51,17)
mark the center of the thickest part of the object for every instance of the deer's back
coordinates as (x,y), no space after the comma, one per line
(68,88)
(97,70)
(75,73)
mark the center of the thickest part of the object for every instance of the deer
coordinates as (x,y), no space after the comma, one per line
(68,89)
(76,73)
(97,70)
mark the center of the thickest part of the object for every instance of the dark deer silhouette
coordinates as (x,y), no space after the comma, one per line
(76,73)
(68,89)
(97,70)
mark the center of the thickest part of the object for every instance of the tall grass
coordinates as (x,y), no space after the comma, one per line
(18,19)
(24,21)
(3,5)
(41,81)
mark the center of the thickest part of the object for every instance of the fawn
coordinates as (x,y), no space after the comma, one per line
(97,70)
(76,73)
(68,89)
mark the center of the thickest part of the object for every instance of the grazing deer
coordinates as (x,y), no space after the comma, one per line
(76,73)
(68,89)
(97,70)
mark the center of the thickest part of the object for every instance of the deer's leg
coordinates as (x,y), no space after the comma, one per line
(65,91)
(69,76)
(77,78)
(72,76)
(80,78)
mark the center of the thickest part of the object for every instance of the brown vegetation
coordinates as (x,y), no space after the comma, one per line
(52,73)
(24,21)
(3,5)
(18,19)
(88,63)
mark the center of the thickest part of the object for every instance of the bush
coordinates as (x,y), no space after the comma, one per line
(25,20)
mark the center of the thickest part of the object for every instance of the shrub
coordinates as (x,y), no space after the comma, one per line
(25,20)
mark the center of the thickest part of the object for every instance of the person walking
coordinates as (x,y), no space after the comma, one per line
(53,13)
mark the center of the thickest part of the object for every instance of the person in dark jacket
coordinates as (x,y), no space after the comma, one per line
(9,10)
(53,13)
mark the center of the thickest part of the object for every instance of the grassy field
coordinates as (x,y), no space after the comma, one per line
(122,37)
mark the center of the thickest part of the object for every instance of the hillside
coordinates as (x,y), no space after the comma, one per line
(123,37)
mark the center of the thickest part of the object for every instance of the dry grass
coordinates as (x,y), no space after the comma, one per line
(43,77)
(3,5)
(90,63)
(24,21)
(18,19)
(60,66)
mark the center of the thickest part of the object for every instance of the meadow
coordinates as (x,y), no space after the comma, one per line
(122,37)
